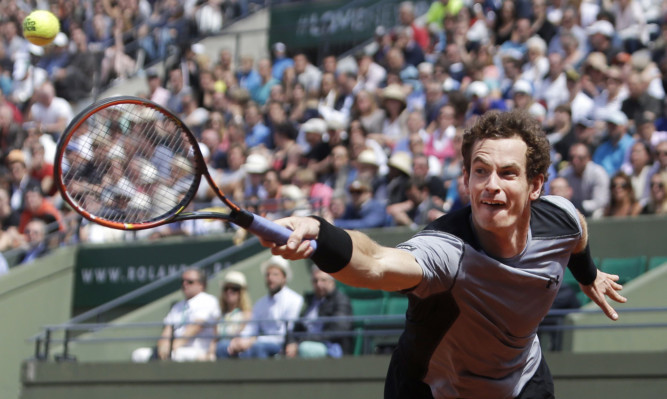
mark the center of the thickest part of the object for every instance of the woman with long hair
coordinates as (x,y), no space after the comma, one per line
(236,310)
(657,203)
(622,200)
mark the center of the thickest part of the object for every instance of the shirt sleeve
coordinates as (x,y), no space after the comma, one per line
(439,254)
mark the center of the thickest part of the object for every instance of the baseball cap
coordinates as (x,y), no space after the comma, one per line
(314,125)
(279,47)
(618,118)
(478,88)
(602,27)
(256,164)
(522,86)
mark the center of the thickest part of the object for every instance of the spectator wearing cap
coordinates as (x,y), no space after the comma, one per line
(314,131)
(264,335)
(601,39)
(256,132)
(280,60)
(400,171)
(394,127)
(589,181)
(235,309)
(362,211)
(256,166)
(522,95)
(481,100)
(614,150)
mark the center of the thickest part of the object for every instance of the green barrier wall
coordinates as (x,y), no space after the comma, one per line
(619,376)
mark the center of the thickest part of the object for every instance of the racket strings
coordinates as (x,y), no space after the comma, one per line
(129,164)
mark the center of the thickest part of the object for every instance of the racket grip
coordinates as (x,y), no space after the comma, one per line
(271,231)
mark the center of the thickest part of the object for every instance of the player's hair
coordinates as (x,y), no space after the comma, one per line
(498,125)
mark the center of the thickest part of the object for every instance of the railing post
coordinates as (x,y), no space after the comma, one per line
(47,343)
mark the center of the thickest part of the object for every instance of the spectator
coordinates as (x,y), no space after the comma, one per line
(370,74)
(610,100)
(639,101)
(439,142)
(272,316)
(400,171)
(36,206)
(601,39)
(235,307)
(622,201)
(362,211)
(612,152)
(256,166)
(440,9)
(580,103)
(638,168)
(74,82)
(280,61)
(306,73)
(569,27)
(436,185)
(661,155)
(11,132)
(19,179)
(178,90)
(417,209)
(288,152)
(325,301)
(561,133)
(367,167)
(156,92)
(367,111)
(257,133)
(342,172)
(646,129)
(261,93)
(189,326)
(505,22)
(537,65)
(553,90)
(51,114)
(589,181)
(657,203)
(319,193)
(35,241)
(561,187)
(406,16)
(630,24)
(318,149)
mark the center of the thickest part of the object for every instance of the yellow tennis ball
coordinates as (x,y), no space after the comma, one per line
(40,27)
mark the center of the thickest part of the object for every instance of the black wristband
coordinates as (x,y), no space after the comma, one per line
(582,266)
(334,247)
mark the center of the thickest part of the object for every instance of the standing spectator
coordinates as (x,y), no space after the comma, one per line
(622,200)
(191,323)
(235,307)
(612,152)
(35,241)
(657,203)
(274,314)
(362,211)
(325,301)
(589,181)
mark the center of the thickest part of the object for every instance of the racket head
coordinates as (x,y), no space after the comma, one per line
(127,163)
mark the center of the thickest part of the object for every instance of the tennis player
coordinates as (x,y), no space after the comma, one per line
(479,280)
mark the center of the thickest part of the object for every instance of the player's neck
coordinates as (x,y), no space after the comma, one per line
(506,243)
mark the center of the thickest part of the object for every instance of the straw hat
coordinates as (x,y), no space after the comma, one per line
(368,157)
(394,92)
(279,262)
(234,277)
(401,161)
(256,164)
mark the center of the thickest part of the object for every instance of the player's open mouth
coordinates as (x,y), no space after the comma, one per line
(493,203)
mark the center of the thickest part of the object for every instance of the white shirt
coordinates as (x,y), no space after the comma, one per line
(202,307)
(271,313)
(57,110)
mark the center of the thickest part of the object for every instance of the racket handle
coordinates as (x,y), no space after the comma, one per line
(271,231)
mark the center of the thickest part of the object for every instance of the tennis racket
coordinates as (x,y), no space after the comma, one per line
(129,164)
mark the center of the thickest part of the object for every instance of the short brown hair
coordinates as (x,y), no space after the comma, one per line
(499,125)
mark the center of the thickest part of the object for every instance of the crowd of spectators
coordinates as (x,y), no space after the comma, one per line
(371,140)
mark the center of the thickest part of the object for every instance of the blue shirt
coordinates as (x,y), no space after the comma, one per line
(259,134)
(611,156)
(371,214)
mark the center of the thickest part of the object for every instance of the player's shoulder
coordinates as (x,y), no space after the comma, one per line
(553,216)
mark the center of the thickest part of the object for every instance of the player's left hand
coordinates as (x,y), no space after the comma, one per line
(605,285)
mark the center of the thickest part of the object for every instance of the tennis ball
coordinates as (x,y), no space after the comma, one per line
(40,27)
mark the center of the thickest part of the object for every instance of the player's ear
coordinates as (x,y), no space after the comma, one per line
(536,185)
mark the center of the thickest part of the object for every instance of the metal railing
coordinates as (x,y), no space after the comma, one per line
(365,328)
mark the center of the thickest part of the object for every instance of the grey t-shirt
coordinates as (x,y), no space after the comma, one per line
(472,322)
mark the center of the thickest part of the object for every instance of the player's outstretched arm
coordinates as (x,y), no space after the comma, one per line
(349,256)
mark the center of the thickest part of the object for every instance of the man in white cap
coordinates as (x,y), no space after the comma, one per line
(273,312)
(613,151)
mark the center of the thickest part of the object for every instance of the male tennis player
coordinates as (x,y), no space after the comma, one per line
(479,280)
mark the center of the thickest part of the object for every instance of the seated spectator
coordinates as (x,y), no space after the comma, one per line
(611,153)
(9,221)
(50,113)
(657,203)
(362,211)
(324,301)
(416,211)
(35,241)
(318,193)
(41,169)
(264,335)
(190,323)
(19,179)
(400,171)
(639,169)
(36,206)
(622,200)
(589,181)
(236,309)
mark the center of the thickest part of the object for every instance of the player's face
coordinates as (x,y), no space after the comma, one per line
(500,193)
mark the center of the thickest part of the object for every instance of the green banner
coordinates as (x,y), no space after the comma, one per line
(105,272)
(303,25)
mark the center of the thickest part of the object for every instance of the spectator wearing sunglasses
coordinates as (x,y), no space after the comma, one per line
(190,322)
(623,201)
(236,308)
(657,203)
